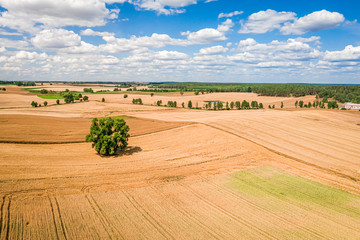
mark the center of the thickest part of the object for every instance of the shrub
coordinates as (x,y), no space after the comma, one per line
(125,95)
(103,100)
(45,103)
(137,101)
(282,105)
(4,89)
(34,104)
(159,102)
(108,135)
(44,91)
(86,98)
(88,90)
(151,94)
(57,101)
(189,104)
(68,97)
(261,105)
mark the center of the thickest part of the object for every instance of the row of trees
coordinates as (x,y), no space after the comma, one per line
(35,104)
(137,101)
(317,104)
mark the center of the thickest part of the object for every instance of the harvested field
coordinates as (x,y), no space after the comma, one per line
(186,174)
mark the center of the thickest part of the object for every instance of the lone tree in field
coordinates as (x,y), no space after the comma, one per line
(108,135)
(68,97)
(189,104)
(45,103)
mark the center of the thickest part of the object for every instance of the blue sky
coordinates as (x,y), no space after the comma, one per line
(180,40)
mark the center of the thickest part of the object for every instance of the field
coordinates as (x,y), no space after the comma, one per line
(186,174)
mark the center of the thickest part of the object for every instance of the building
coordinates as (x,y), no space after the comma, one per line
(349,105)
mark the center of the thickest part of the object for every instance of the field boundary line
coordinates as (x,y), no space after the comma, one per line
(287,156)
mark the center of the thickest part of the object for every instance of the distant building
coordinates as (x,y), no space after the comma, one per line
(349,105)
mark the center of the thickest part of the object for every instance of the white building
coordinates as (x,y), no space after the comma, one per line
(349,105)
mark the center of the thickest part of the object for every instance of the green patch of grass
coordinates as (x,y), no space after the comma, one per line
(50,96)
(264,182)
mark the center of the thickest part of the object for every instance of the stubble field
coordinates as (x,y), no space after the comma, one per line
(187,174)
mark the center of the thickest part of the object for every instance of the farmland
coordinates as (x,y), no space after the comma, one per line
(186,174)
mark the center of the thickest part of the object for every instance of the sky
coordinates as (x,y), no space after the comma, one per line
(252,41)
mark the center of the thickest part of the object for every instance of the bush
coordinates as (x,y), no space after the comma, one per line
(4,89)
(45,103)
(34,104)
(189,104)
(108,135)
(125,95)
(159,102)
(151,94)
(86,98)
(68,97)
(137,101)
(103,99)
(44,91)
(57,101)
(88,90)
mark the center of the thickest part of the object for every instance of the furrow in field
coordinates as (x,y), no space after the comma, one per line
(147,216)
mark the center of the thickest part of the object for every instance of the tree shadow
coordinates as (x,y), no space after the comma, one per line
(128,151)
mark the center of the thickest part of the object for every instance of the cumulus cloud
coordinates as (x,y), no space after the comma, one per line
(213,50)
(313,22)
(287,22)
(350,53)
(265,21)
(56,38)
(19,44)
(229,15)
(90,32)
(166,7)
(29,15)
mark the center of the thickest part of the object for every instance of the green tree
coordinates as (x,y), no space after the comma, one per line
(301,104)
(273,106)
(44,91)
(68,97)
(108,135)
(34,104)
(86,98)
(151,94)
(103,99)
(125,95)
(45,103)
(261,106)
(4,89)
(57,101)
(183,104)
(196,92)
(189,104)
(282,105)
(270,106)
(159,102)
(238,105)
(296,103)
(232,104)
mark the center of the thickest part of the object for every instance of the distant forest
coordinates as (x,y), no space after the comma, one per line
(341,93)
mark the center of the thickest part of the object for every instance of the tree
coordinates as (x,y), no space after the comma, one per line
(34,104)
(68,97)
(227,106)
(273,106)
(57,101)
(269,106)
(103,99)
(196,92)
(86,98)
(189,104)
(232,104)
(238,105)
(309,105)
(301,104)
(183,104)
(296,103)
(261,105)
(44,91)
(125,95)
(4,89)
(182,93)
(45,103)
(151,94)
(254,104)
(282,105)
(108,135)
(159,102)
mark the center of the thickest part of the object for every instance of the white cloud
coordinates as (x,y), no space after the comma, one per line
(265,21)
(2,49)
(350,53)
(287,22)
(166,7)
(56,38)
(229,15)
(26,15)
(171,55)
(313,22)
(19,44)
(90,32)
(213,50)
